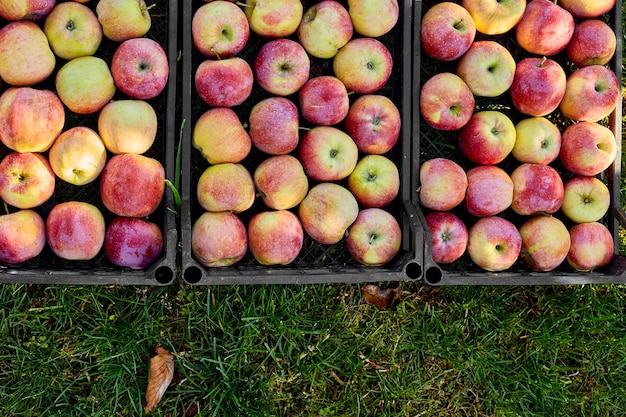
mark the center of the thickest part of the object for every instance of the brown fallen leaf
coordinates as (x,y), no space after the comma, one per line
(161,374)
(383,298)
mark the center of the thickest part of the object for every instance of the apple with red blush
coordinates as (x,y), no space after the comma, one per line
(537,189)
(545,242)
(539,85)
(327,153)
(224,82)
(274,125)
(443,184)
(447,31)
(537,140)
(374,123)
(591,94)
(219,239)
(22,236)
(374,238)
(593,43)
(487,138)
(494,243)
(489,191)
(592,246)
(26,179)
(587,148)
(545,28)
(363,65)
(282,67)
(446,101)
(219,29)
(449,236)
(132,242)
(324,100)
(275,237)
(75,230)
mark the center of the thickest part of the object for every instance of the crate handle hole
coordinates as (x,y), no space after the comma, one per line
(433,275)
(413,270)
(164,275)
(192,275)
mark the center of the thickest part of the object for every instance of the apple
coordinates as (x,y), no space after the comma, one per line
(447,31)
(446,102)
(220,137)
(13,10)
(374,123)
(591,94)
(324,100)
(325,27)
(327,211)
(22,236)
(587,8)
(442,184)
(85,84)
(275,237)
(374,238)
(274,125)
(538,86)
(274,19)
(494,243)
(225,82)
(219,29)
(495,17)
(72,30)
(591,247)
(282,67)
(449,236)
(140,68)
(26,179)
(489,191)
(78,155)
(537,189)
(25,55)
(132,185)
(373,18)
(545,242)
(226,187)
(327,153)
(219,239)
(30,119)
(281,182)
(537,141)
(75,230)
(487,68)
(132,242)
(375,181)
(363,64)
(123,19)
(127,126)
(487,138)
(586,199)
(587,148)
(545,28)
(593,43)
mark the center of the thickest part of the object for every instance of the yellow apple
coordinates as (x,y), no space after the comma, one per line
(127,126)
(85,84)
(78,155)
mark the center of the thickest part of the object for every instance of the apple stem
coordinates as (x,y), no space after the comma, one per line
(152,6)
(543,61)
(304,128)
(216,54)
(238,3)
(350,93)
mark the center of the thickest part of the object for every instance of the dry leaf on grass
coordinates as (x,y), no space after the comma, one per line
(161,374)
(384,298)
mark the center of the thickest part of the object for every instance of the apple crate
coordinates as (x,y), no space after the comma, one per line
(433,143)
(47,268)
(316,263)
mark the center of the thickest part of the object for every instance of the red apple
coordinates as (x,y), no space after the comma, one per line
(22,236)
(538,86)
(375,181)
(449,236)
(537,141)
(494,243)
(487,68)
(487,138)
(592,246)
(446,102)
(586,199)
(537,189)
(373,122)
(545,28)
(132,242)
(324,100)
(591,94)
(495,17)
(282,67)
(225,82)
(275,237)
(587,8)
(374,238)
(593,43)
(281,182)
(364,65)
(587,148)
(489,191)
(219,239)
(327,153)
(219,29)
(75,230)
(26,179)
(447,31)
(219,135)
(274,125)
(545,242)
(443,184)
(226,187)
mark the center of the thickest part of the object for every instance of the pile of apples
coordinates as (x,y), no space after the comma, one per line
(321,139)
(534,158)
(51,73)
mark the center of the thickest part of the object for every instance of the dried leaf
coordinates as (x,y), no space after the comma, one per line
(383,298)
(161,375)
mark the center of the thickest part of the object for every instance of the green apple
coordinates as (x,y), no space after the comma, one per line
(85,84)
(585,199)
(123,19)
(73,30)
(373,18)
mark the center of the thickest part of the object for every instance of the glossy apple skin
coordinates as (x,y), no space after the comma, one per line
(374,123)
(489,191)
(537,189)
(281,182)
(545,242)
(494,243)
(26,179)
(495,17)
(443,184)
(78,155)
(593,43)
(375,181)
(487,138)
(447,31)
(587,148)
(275,237)
(537,141)
(123,19)
(72,30)
(587,8)
(140,68)
(327,153)
(446,102)
(545,28)
(22,236)
(374,238)
(373,18)
(226,187)
(132,242)
(219,239)
(586,199)
(591,94)
(225,82)
(282,66)
(128,126)
(209,24)
(487,68)
(274,125)
(449,236)
(592,246)
(132,185)
(85,84)
(364,65)
(327,211)
(538,86)
(33,10)
(272,19)
(75,230)
(324,100)
(325,27)
(25,55)
(30,119)
(219,135)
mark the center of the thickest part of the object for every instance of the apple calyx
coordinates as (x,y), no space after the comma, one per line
(372,238)
(70,25)
(459,25)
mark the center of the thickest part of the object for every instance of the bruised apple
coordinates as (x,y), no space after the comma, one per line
(219,239)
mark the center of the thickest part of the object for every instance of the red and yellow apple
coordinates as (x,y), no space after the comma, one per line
(545,28)
(545,242)
(487,68)
(487,138)
(274,125)
(219,29)
(446,102)
(593,43)
(123,19)
(26,179)
(373,18)
(363,65)
(25,9)
(324,100)
(282,66)
(375,181)
(374,123)
(442,184)
(78,155)
(537,141)
(494,243)
(586,199)
(220,137)
(495,17)
(449,236)
(327,153)
(274,19)
(447,31)
(127,126)
(538,86)
(275,237)
(132,242)
(592,246)
(587,148)
(219,239)
(489,191)
(85,84)
(587,8)
(75,230)
(591,94)
(72,30)
(374,238)
(281,182)
(325,27)
(226,187)
(22,236)
(224,82)
(537,189)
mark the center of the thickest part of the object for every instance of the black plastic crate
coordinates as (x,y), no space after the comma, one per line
(47,268)
(316,263)
(432,143)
